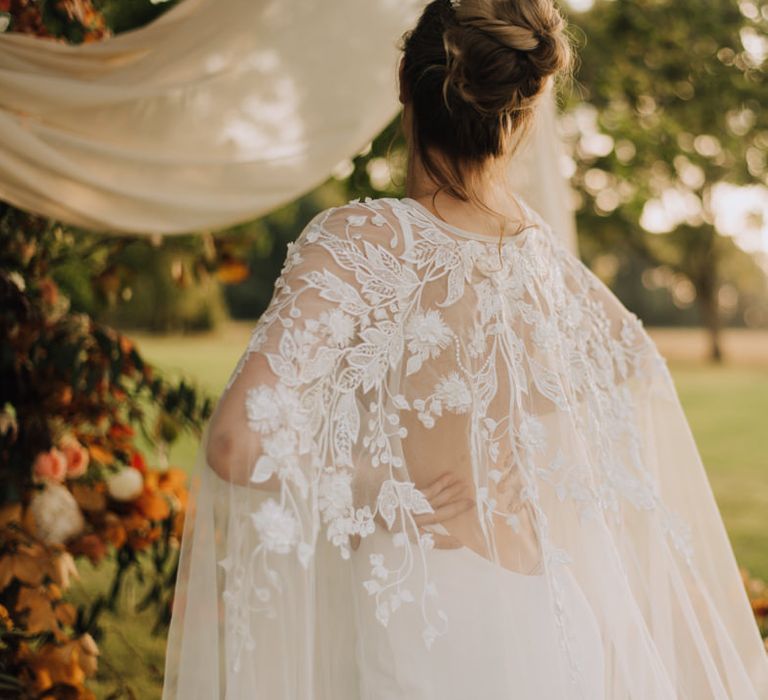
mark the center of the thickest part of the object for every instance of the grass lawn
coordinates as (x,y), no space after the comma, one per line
(727,407)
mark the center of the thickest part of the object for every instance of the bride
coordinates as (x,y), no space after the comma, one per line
(450,464)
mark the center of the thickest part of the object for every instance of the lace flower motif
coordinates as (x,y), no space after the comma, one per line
(278,528)
(452,391)
(270,408)
(427,335)
(340,326)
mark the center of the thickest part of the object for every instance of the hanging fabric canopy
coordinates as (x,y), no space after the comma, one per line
(213,114)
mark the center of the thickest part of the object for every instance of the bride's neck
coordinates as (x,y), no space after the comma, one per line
(491,186)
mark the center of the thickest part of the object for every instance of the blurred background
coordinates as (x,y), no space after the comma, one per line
(666,150)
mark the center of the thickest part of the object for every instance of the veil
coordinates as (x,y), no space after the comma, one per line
(442,469)
(575,549)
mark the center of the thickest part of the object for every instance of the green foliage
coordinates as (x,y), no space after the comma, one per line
(124,15)
(162,288)
(671,90)
(265,241)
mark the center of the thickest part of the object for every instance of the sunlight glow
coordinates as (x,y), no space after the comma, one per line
(580,5)
(742,213)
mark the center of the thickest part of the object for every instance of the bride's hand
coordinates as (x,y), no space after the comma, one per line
(449,496)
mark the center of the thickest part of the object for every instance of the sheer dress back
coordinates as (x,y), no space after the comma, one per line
(395,348)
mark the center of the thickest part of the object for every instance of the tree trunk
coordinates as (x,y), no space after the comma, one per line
(710,314)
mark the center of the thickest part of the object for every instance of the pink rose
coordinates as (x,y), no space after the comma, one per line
(50,466)
(76,455)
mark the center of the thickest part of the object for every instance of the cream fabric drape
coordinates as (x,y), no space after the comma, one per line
(215,113)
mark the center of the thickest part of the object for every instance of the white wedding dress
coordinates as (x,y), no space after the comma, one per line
(594,565)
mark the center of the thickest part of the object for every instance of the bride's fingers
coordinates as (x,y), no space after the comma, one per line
(445,496)
(454,492)
(443,541)
(451,510)
(435,487)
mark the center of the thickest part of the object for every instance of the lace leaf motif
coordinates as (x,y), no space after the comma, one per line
(346,316)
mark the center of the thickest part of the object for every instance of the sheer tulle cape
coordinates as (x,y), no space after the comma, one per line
(595,562)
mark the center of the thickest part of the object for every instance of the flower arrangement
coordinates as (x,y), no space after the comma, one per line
(79,409)
(757,589)
(76,20)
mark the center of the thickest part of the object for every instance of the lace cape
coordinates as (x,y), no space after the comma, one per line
(396,348)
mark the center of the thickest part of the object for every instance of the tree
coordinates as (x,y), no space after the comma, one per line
(668,105)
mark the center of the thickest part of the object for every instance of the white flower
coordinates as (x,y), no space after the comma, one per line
(125,485)
(502,272)
(454,393)
(532,433)
(545,334)
(314,233)
(278,529)
(281,445)
(270,408)
(377,566)
(429,634)
(335,494)
(573,313)
(338,533)
(363,523)
(427,333)
(382,613)
(292,258)
(341,326)
(55,513)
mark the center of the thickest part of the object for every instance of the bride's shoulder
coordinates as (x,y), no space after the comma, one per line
(352,219)
(360,210)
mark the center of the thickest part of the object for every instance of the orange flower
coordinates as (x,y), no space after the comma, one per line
(121,432)
(65,396)
(173,480)
(67,664)
(232,272)
(50,466)
(5,619)
(101,455)
(153,506)
(114,531)
(126,345)
(141,533)
(151,480)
